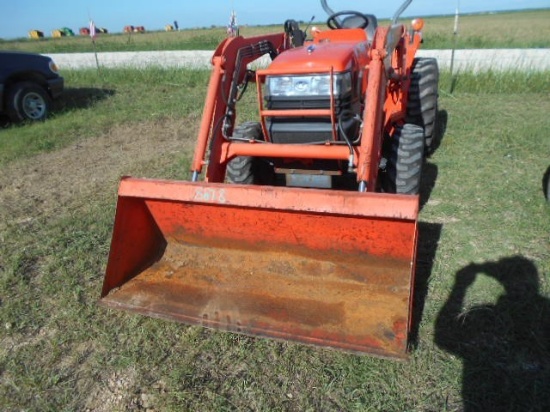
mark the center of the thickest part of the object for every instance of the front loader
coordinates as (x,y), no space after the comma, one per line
(301,225)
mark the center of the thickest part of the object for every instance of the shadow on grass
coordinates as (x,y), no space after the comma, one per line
(71,99)
(439,131)
(80,98)
(505,347)
(546,184)
(428,233)
(429,170)
(428,238)
(427,184)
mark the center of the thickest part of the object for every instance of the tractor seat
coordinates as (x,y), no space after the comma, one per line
(353,22)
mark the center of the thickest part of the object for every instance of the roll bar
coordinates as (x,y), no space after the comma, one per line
(400,10)
(398,13)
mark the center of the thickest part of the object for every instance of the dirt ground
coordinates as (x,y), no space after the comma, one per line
(90,168)
(87,171)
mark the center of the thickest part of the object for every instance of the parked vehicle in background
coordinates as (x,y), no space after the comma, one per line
(28,84)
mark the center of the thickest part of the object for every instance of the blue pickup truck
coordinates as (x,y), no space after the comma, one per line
(28,84)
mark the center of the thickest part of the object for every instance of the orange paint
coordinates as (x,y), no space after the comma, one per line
(322,267)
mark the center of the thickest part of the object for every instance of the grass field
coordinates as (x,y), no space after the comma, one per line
(501,30)
(483,276)
(482,296)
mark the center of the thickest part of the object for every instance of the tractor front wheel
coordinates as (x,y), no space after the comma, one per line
(247,170)
(404,154)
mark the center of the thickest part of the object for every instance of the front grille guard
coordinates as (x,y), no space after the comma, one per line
(265,113)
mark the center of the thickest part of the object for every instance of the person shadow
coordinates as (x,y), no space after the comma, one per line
(505,347)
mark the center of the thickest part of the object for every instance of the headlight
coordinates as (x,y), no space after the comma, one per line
(310,85)
(53,66)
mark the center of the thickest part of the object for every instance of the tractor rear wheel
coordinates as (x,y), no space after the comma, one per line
(423,94)
(247,170)
(404,154)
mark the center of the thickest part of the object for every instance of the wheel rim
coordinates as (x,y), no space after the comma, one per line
(34,106)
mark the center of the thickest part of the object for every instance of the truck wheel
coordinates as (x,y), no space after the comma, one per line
(247,170)
(404,153)
(28,101)
(422,104)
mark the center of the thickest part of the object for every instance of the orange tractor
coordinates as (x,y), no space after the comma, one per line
(304,227)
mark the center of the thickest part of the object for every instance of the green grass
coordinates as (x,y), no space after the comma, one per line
(522,29)
(485,31)
(96,102)
(483,203)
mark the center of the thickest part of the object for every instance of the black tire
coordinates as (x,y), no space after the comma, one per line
(423,96)
(28,101)
(247,170)
(404,153)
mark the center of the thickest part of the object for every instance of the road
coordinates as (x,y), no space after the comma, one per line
(471,60)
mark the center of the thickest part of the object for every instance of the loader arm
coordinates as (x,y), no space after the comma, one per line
(229,66)
(388,85)
(371,140)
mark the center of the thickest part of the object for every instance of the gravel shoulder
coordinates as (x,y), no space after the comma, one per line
(474,60)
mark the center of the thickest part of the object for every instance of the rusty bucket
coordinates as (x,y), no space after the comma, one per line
(322,267)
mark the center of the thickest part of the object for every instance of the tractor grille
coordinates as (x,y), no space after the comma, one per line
(305,130)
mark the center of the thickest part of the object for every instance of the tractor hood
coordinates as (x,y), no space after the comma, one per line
(318,57)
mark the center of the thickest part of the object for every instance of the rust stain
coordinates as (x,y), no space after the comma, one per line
(351,303)
(265,229)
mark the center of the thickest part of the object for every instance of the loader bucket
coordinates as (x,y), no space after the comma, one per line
(321,267)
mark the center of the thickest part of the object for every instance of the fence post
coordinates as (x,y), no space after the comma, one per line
(455,40)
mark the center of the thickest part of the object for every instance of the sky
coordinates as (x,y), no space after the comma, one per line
(17,17)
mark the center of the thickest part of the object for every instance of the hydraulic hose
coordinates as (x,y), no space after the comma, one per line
(346,115)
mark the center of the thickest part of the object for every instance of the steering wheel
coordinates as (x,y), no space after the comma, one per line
(333,22)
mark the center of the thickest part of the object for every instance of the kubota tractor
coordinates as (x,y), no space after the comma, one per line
(305,224)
